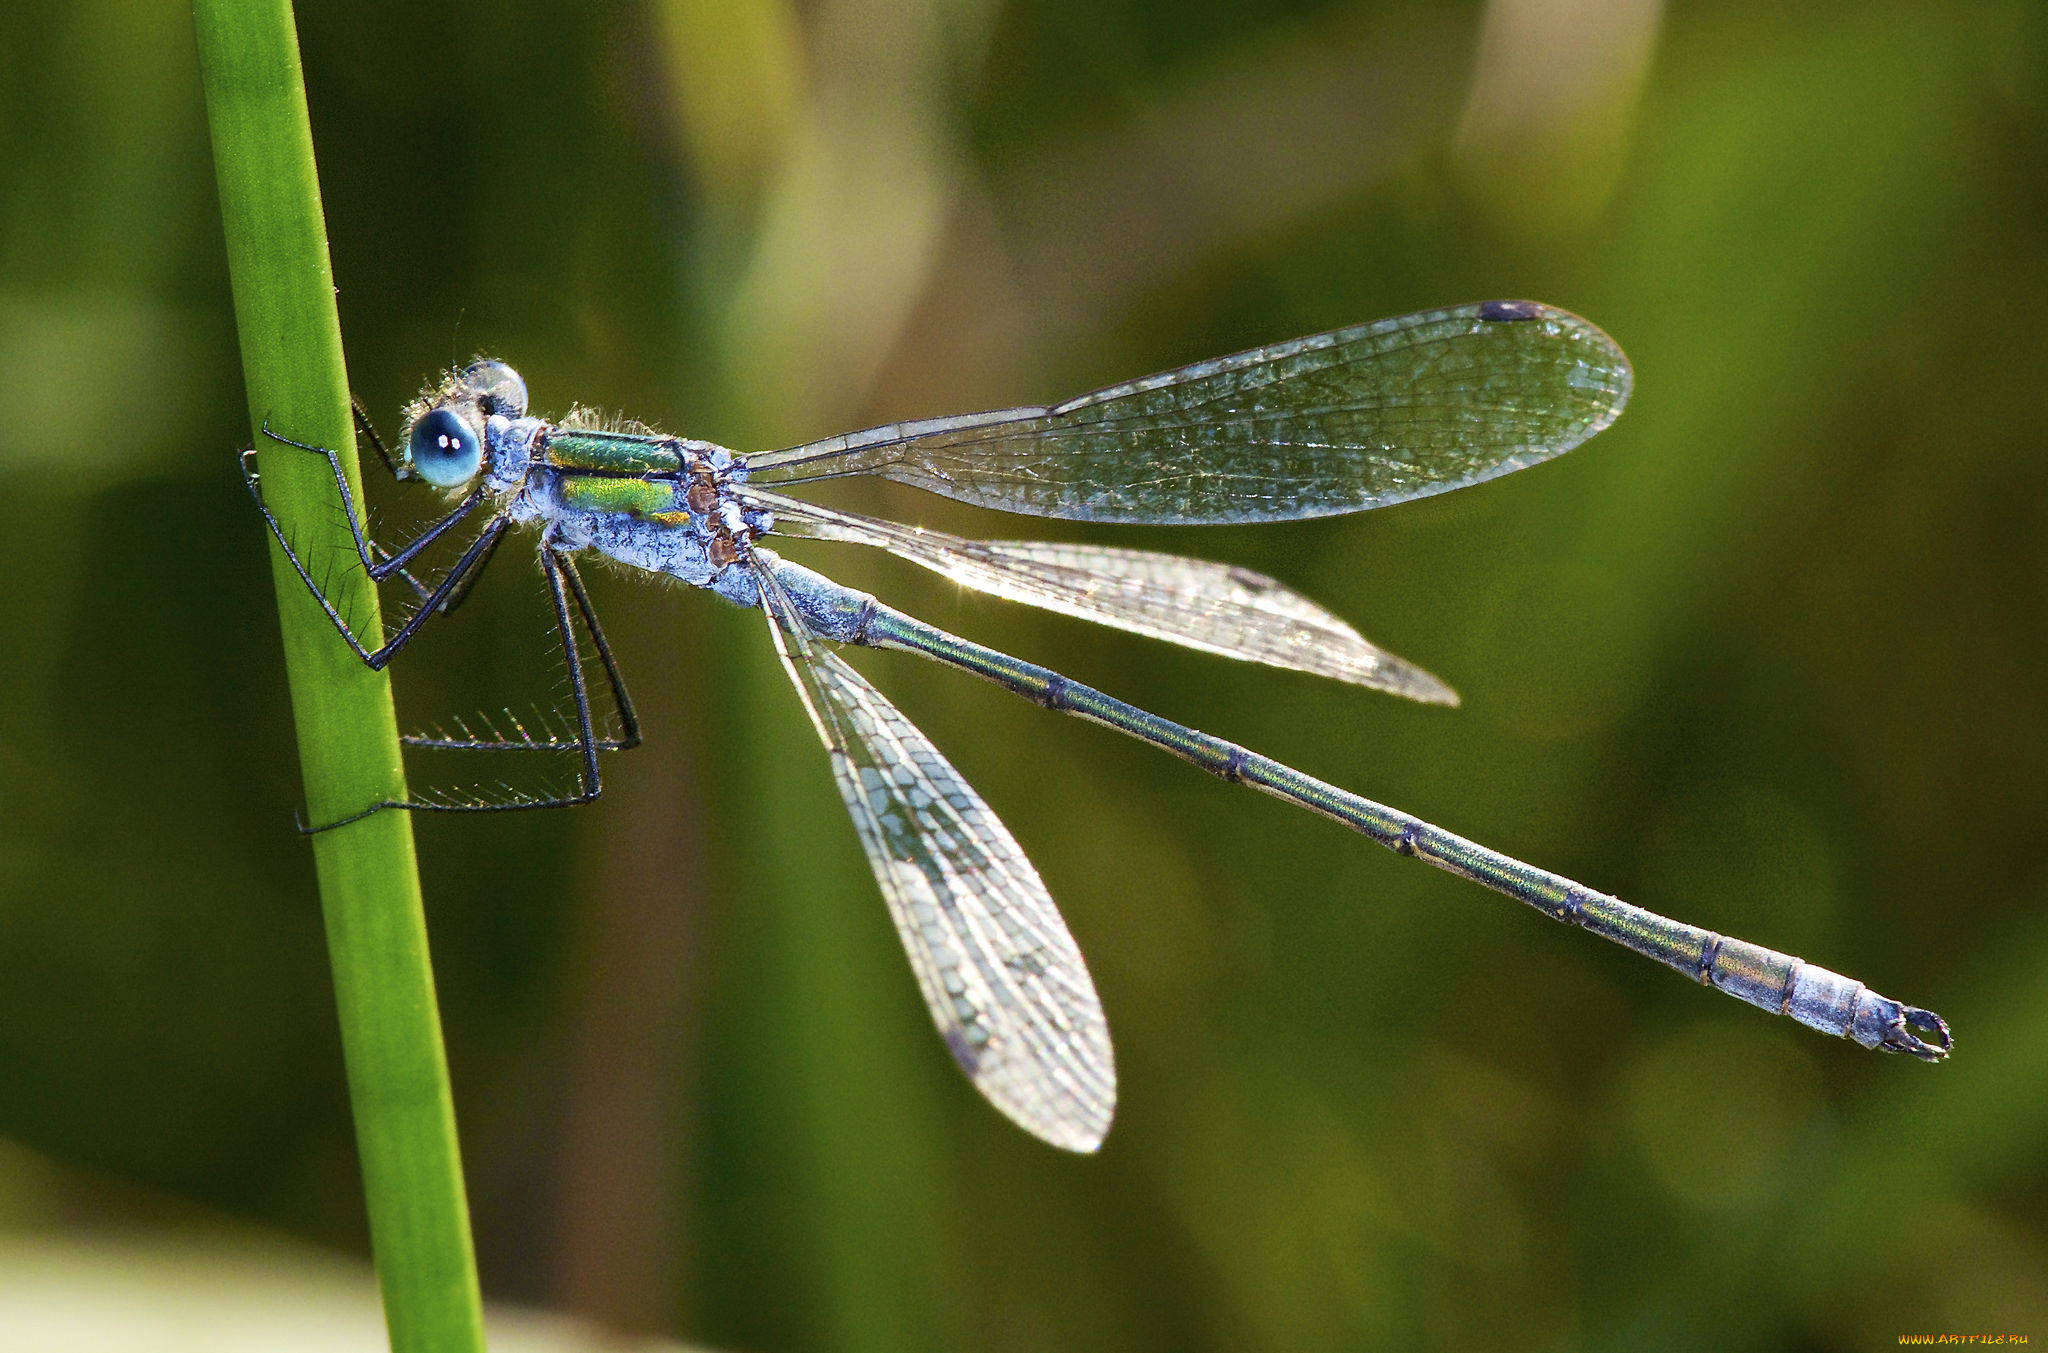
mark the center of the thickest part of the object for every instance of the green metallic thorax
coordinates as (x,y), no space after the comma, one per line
(613,453)
(632,497)
(616,472)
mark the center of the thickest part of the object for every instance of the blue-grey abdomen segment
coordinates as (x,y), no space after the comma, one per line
(834,612)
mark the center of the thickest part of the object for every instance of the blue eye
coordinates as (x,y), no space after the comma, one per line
(445,450)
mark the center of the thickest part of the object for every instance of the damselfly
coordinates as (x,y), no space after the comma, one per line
(1358,418)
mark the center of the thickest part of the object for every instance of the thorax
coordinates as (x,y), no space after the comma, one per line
(652,502)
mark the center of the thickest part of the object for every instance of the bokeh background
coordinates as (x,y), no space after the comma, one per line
(1768,656)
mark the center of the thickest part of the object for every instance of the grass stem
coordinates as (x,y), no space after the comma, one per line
(348,736)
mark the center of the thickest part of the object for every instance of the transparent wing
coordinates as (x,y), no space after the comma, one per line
(1004,981)
(1213,607)
(1357,418)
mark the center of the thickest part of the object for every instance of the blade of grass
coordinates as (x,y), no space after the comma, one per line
(348,736)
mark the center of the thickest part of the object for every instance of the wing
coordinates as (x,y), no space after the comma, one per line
(1004,981)
(1216,608)
(1357,418)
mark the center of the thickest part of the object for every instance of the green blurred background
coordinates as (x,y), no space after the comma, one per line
(1768,656)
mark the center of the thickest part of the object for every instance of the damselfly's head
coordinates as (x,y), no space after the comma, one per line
(444,428)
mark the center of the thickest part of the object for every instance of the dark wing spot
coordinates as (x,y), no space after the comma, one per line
(1502,312)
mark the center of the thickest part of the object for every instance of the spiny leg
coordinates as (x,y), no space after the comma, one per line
(446,604)
(588,783)
(367,550)
(563,583)
(377,568)
(423,593)
(629,721)
(479,550)
(558,559)
(560,567)
(459,580)
(369,430)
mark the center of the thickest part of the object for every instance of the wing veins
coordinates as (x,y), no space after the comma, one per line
(991,954)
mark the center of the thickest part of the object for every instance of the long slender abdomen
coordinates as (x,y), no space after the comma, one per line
(1763,977)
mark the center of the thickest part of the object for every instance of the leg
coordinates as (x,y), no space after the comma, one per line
(369,430)
(563,582)
(379,569)
(552,564)
(423,592)
(562,563)
(629,722)
(460,578)
(447,603)
(378,563)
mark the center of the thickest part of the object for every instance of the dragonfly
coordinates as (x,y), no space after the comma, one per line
(1338,422)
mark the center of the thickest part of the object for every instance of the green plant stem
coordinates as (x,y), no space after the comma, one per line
(348,736)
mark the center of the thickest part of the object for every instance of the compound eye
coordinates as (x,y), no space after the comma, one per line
(445,450)
(499,389)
